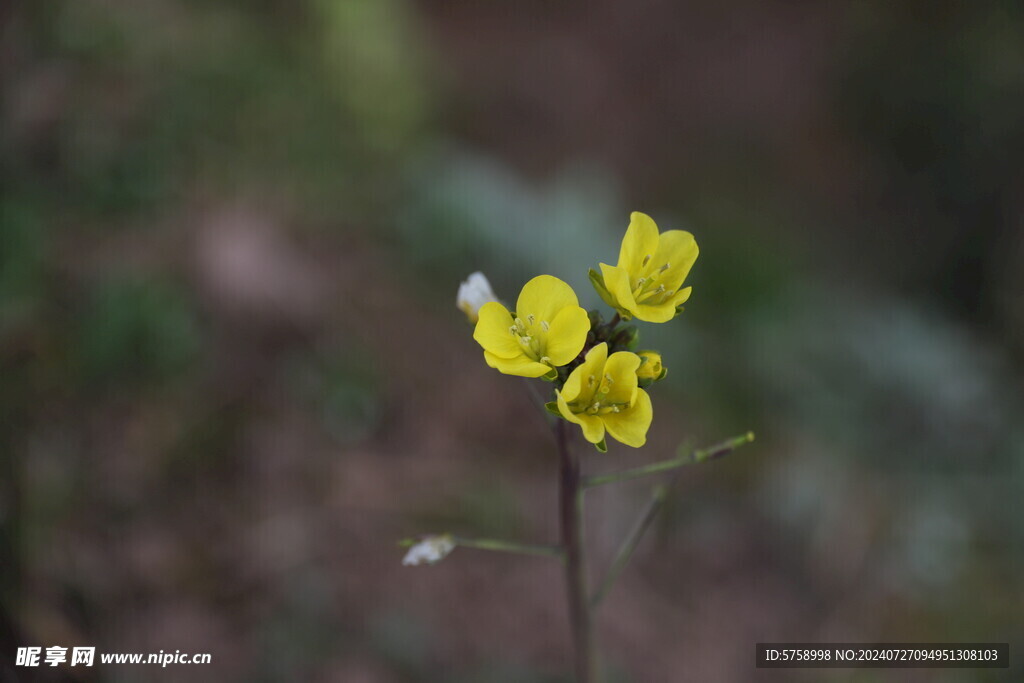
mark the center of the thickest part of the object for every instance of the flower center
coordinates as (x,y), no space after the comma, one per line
(531,339)
(647,289)
(598,403)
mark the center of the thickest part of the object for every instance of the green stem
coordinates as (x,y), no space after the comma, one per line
(571,514)
(510,547)
(630,543)
(698,456)
(658,497)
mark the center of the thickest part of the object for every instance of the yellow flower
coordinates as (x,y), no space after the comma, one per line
(549,330)
(646,282)
(602,394)
(651,369)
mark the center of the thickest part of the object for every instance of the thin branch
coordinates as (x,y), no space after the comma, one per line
(510,547)
(698,456)
(630,543)
(658,497)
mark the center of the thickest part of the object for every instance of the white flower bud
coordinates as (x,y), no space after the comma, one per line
(430,550)
(474,293)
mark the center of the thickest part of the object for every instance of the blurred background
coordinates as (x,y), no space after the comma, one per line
(232,373)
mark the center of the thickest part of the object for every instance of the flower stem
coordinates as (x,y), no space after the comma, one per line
(571,513)
(509,547)
(703,455)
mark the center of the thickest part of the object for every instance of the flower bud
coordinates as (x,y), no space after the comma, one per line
(474,293)
(430,550)
(651,369)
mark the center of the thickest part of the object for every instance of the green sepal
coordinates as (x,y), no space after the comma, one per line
(552,407)
(679,309)
(602,446)
(664,371)
(551,376)
(597,280)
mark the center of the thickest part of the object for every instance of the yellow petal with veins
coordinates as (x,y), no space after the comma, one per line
(543,297)
(678,249)
(520,366)
(640,242)
(492,331)
(630,425)
(659,313)
(566,335)
(621,368)
(593,427)
(616,280)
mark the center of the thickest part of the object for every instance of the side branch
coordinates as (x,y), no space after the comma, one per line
(510,547)
(440,545)
(698,456)
(630,543)
(658,497)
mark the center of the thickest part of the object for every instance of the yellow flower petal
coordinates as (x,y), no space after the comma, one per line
(595,359)
(630,426)
(681,297)
(573,385)
(616,280)
(660,313)
(543,297)
(621,367)
(577,386)
(492,331)
(592,366)
(663,312)
(593,427)
(520,366)
(640,242)
(678,249)
(567,335)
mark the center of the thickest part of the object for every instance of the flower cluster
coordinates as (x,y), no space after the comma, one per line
(599,378)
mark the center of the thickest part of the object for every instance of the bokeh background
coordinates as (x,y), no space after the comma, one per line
(232,374)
